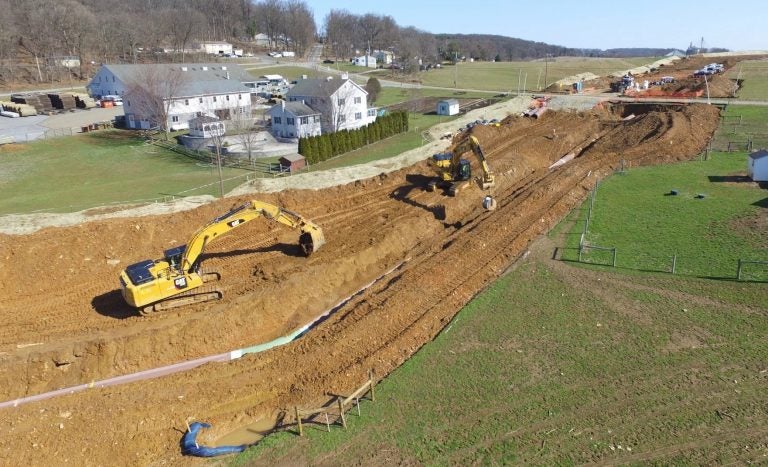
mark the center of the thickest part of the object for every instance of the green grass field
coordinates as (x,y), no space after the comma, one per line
(79,172)
(542,370)
(634,214)
(741,123)
(504,76)
(755,76)
(393,95)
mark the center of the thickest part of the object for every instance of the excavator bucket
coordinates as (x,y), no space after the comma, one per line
(311,241)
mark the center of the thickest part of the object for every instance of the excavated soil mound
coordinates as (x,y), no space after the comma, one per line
(65,322)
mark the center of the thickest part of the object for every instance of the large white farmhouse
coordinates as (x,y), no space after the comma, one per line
(341,103)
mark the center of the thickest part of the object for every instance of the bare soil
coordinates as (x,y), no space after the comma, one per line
(65,322)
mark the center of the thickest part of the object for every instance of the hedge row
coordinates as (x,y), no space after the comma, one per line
(319,148)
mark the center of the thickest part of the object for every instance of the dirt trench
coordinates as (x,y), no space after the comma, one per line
(65,324)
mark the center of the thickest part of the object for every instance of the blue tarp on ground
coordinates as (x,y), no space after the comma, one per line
(189,448)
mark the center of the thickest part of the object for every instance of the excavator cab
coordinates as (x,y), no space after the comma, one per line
(174,255)
(463,171)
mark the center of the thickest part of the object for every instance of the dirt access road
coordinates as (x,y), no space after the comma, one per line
(65,323)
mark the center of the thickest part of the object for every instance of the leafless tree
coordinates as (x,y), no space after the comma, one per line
(152,94)
(241,123)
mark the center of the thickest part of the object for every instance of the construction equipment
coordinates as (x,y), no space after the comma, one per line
(177,279)
(454,172)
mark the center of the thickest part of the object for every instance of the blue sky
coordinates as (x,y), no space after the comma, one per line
(599,24)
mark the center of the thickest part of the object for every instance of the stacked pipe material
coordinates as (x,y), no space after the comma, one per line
(84,101)
(24,110)
(64,101)
(40,102)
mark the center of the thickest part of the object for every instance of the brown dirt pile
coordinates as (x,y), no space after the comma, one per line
(65,323)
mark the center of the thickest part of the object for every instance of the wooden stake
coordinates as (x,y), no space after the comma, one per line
(190,429)
(298,421)
(357,401)
(370,383)
(327,424)
(341,412)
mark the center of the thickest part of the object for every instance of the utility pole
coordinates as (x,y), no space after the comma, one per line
(455,69)
(546,69)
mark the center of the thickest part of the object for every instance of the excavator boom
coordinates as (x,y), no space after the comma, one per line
(177,279)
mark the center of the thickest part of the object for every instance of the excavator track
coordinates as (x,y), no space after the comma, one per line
(198,295)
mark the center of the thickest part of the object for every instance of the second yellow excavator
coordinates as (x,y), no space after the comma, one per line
(177,279)
(454,172)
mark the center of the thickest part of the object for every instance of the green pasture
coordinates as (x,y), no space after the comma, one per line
(755,76)
(73,173)
(396,95)
(741,123)
(636,214)
(540,369)
(530,75)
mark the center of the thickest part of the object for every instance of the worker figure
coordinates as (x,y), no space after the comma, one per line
(489,204)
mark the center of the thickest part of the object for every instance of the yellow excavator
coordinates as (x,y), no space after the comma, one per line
(177,279)
(454,173)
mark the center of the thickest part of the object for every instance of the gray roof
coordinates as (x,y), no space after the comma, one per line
(293,157)
(759,154)
(316,87)
(300,109)
(296,108)
(449,101)
(198,78)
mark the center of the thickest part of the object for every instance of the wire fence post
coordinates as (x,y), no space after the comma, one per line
(674,263)
(614,257)
(738,271)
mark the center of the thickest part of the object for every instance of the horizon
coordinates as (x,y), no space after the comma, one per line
(671,25)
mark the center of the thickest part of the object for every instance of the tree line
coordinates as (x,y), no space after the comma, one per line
(36,34)
(319,148)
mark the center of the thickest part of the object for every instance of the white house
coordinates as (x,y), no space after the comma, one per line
(215,47)
(757,166)
(384,57)
(365,60)
(342,103)
(186,92)
(295,120)
(448,107)
(261,40)
(114,79)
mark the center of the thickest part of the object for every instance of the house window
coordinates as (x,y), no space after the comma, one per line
(342,118)
(113,79)
(175,118)
(214,98)
(371,112)
(316,119)
(239,97)
(276,120)
(304,120)
(227,97)
(358,100)
(186,101)
(290,121)
(358,116)
(201,100)
(341,101)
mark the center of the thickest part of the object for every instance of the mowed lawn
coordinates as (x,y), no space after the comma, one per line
(636,214)
(530,75)
(79,172)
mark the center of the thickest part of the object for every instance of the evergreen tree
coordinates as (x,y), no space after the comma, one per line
(303,147)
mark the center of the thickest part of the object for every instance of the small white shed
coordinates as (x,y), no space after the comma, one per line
(757,166)
(448,107)
(365,60)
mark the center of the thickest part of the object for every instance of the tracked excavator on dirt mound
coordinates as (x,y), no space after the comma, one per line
(454,173)
(177,279)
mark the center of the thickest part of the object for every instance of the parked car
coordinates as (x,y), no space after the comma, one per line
(329,61)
